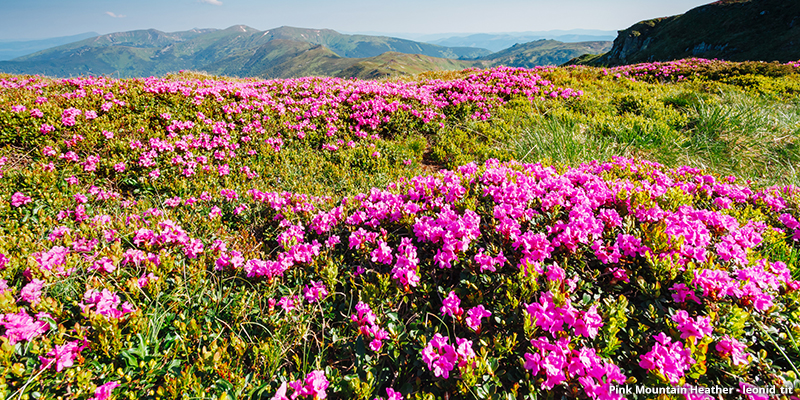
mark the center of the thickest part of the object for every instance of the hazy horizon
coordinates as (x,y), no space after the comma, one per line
(43,19)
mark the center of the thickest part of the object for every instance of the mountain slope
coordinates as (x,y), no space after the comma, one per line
(736,30)
(236,51)
(358,46)
(544,52)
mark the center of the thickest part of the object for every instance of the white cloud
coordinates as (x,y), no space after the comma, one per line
(112,15)
(213,2)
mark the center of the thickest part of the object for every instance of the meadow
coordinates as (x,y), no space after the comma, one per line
(505,233)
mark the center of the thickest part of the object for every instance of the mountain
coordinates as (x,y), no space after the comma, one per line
(734,30)
(544,52)
(497,42)
(152,52)
(395,64)
(14,49)
(355,46)
(284,52)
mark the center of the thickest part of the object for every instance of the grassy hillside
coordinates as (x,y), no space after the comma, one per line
(749,30)
(499,233)
(544,52)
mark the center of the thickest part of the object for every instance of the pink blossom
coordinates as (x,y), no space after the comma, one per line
(315,293)
(682,292)
(474,316)
(104,264)
(104,303)
(669,359)
(63,356)
(728,346)
(589,323)
(32,292)
(440,357)
(287,303)
(18,199)
(315,385)
(21,326)
(698,328)
(451,305)
(104,391)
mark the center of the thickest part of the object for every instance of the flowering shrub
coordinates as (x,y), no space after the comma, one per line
(145,250)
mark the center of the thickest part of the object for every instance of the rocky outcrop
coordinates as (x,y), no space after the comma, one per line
(734,30)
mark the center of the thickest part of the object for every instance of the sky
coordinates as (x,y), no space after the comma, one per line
(39,19)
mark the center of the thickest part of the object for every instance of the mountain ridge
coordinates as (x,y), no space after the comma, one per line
(733,30)
(242,51)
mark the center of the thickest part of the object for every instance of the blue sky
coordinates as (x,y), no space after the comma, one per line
(36,19)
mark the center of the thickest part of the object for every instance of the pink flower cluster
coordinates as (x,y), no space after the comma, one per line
(552,318)
(18,199)
(474,316)
(555,360)
(21,326)
(451,305)
(63,355)
(667,358)
(368,326)
(442,357)
(314,385)
(730,347)
(698,328)
(105,303)
(315,292)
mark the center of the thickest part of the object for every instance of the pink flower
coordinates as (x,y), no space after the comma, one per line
(63,356)
(104,392)
(21,326)
(728,346)
(682,292)
(215,212)
(32,292)
(105,303)
(315,385)
(698,328)
(391,394)
(589,323)
(145,280)
(104,264)
(382,254)
(440,357)
(315,293)
(669,359)
(287,303)
(474,316)
(46,128)
(451,305)
(280,394)
(18,199)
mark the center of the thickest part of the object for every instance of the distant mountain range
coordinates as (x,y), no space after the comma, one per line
(18,48)
(498,42)
(733,30)
(283,52)
(544,52)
